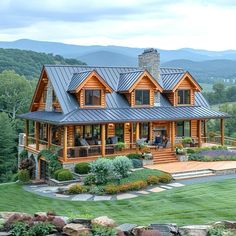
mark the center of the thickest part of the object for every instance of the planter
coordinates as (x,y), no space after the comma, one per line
(182,158)
(147,162)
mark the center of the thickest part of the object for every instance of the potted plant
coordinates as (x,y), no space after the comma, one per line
(119,146)
(146,152)
(187,141)
(181,154)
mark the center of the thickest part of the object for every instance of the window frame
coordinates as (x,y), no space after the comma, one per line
(135,97)
(183,134)
(93,90)
(184,97)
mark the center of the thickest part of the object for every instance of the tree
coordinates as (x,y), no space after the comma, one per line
(8,158)
(15,93)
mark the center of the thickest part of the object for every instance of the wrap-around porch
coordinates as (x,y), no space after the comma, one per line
(75,143)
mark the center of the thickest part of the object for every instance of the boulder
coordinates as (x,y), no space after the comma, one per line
(228,224)
(126,228)
(104,221)
(81,221)
(143,231)
(75,229)
(194,230)
(5,234)
(165,229)
(6,215)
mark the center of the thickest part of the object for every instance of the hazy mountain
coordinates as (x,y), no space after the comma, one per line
(206,71)
(122,55)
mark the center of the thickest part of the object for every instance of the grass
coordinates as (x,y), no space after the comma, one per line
(194,204)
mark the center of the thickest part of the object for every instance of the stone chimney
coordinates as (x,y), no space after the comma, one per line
(150,60)
(49,98)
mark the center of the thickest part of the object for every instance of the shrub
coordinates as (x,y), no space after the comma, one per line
(101,230)
(137,163)
(82,168)
(122,165)
(76,189)
(24,176)
(111,189)
(24,154)
(152,179)
(56,173)
(166,178)
(97,190)
(187,140)
(90,179)
(15,177)
(134,156)
(137,185)
(19,228)
(65,175)
(102,169)
(41,229)
(120,145)
(190,150)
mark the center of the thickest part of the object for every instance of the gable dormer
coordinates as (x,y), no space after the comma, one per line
(180,88)
(89,88)
(45,98)
(138,87)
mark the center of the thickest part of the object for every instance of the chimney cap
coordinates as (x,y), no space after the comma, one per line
(148,50)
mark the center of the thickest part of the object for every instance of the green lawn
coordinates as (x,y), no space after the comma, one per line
(199,203)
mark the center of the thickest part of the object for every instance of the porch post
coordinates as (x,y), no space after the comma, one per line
(36,130)
(172,135)
(137,131)
(49,134)
(65,144)
(222,130)
(199,133)
(205,131)
(103,141)
(150,131)
(26,132)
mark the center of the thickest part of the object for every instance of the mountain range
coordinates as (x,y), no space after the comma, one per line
(206,65)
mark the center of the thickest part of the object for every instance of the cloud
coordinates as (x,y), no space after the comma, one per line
(141,23)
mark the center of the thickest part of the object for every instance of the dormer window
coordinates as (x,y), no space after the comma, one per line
(142,97)
(92,97)
(184,97)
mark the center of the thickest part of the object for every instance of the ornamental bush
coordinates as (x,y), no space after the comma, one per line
(76,189)
(90,179)
(24,176)
(134,156)
(82,168)
(65,175)
(56,173)
(166,178)
(102,169)
(152,179)
(137,163)
(122,165)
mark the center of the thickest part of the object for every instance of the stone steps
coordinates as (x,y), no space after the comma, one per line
(193,174)
(161,156)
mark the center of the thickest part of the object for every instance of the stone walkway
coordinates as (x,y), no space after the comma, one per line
(52,192)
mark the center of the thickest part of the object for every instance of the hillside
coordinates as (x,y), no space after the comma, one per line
(207,71)
(29,63)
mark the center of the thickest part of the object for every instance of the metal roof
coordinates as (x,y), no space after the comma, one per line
(200,100)
(77,79)
(91,116)
(127,80)
(169,80)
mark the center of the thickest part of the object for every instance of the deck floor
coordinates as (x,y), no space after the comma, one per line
(193,166)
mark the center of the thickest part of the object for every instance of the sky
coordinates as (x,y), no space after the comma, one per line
(165,24)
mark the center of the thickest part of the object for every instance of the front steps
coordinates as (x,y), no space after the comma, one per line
(193,174)
(163,155)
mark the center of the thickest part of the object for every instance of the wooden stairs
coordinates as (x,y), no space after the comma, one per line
(163,155)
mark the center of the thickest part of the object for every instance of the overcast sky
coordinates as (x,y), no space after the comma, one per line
(166,24)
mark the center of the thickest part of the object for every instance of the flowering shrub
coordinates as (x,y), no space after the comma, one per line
(122,165)
(166,178)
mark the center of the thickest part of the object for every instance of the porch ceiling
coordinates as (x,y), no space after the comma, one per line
(91,116)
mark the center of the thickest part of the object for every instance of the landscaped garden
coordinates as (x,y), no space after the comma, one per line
(195,204)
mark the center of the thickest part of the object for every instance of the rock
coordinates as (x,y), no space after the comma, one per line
(126,228)
(165,229)
(104,221)
(40,214)
(81,221)
(228,224)
(6,215)
(5,234)
(194,230)
(142,231)
(75,229)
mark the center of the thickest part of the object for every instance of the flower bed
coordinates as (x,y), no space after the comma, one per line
(213,155)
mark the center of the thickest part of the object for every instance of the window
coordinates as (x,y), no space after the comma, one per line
(183,129)
(142,97)
(119,132)
(144,130)
(183,96)
(92,97)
